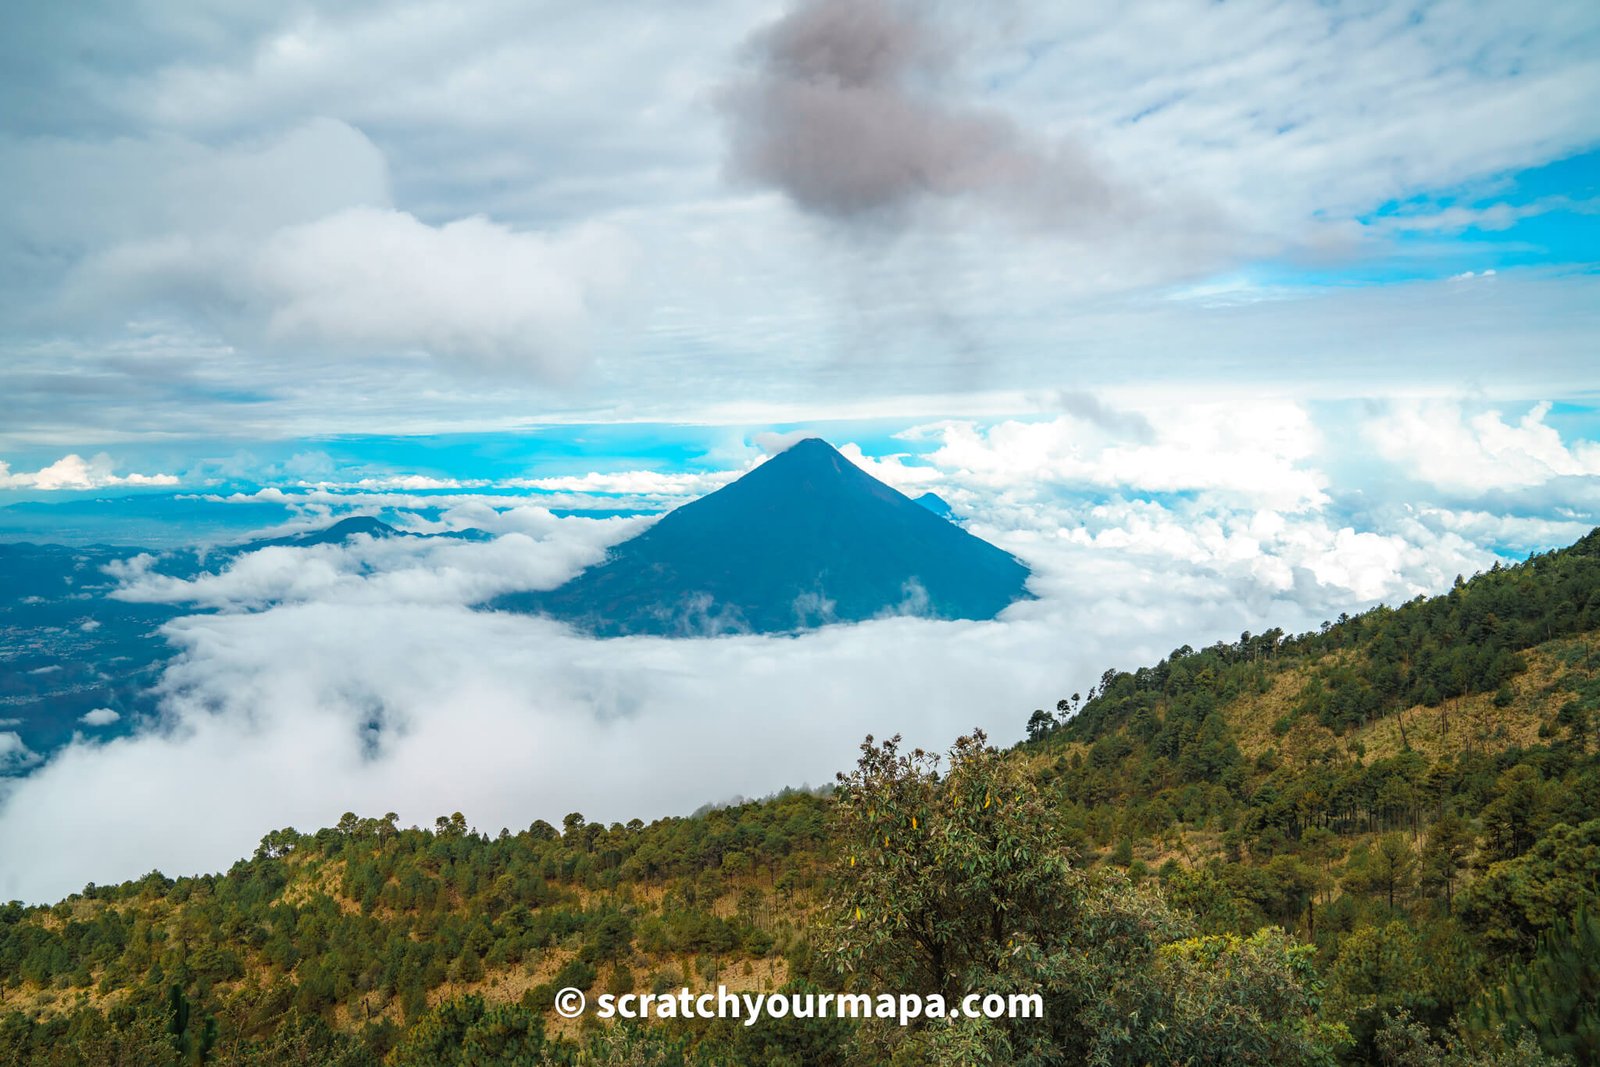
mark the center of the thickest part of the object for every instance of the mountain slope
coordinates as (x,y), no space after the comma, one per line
(805,539)
(335,534)
(1427,653)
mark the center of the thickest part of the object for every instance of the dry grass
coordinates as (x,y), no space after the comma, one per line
(1464,724)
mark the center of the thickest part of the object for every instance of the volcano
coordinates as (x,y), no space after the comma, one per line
(805,539)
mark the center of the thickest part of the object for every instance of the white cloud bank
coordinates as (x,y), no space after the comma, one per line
(1256,452)
(283,243)
(384,572)
(1445,445)
(380,693)
(364,683)
(371,279)
(74,472)
(357,677)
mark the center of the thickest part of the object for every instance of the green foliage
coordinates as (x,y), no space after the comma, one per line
(415,908)
(944,876)
(125,1037)
(1517,899)
(1555,998)
(466,1032)
(1387,868)
(960,883)
(1426,652)
(1404,1042)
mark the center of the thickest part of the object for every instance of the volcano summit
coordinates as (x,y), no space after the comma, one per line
(805,539)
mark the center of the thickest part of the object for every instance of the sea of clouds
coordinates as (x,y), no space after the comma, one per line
(364,676)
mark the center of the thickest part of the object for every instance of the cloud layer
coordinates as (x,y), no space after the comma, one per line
(295,247)
(358,676)
(236,218)
(74,472)
(1453,449)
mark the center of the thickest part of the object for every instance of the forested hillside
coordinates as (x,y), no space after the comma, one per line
(1415,791)
(1375,843)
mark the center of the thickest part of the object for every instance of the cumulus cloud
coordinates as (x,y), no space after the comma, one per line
(911,479)
(389,570)
(99,717)
(470,289)
(410,482)
(74,472)
(469,292)
(14,755)
(1442,443)
(451,511)
(771,442)
(843,113)
(1260,453)
(285,242)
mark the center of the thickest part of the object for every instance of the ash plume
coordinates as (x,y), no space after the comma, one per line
(844,112)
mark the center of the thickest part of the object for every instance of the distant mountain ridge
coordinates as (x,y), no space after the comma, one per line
(336,534)
(68,647)
(805,539)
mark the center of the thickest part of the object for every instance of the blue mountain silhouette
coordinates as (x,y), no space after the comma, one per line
(805,539)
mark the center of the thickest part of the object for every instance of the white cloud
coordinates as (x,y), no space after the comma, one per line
(470,290)
(295,714)
(1257,453)
(1288,112)
(1443,444)
(78,195)
(1480,527)
(377,280)
(194,175)
(483,509)
(910,479)
(1497,216)
(99,717)
(409,482)
(391,570)
(74,472)
(643,483)
(14,755)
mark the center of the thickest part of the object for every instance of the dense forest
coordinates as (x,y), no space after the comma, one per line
(1374,843)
